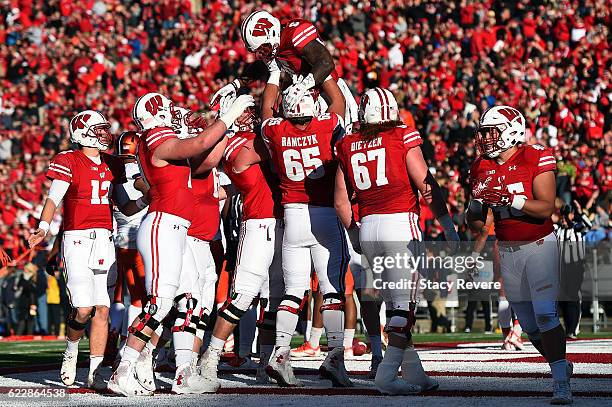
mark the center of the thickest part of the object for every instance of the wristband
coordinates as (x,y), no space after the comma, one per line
(236,84)
(141,203)
(518,202)
(44,226)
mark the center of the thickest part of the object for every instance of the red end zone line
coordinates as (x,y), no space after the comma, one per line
(369,392)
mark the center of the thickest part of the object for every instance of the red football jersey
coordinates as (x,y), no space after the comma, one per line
(86,203)
(255,184)
(295,35)
(170,185)
(206,216)
(376,170)
(517,174)
(304,158)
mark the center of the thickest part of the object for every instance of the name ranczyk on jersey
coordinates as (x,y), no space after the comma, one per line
(362,145)
(299,141)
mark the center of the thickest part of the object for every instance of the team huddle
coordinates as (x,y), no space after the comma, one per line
(321,179)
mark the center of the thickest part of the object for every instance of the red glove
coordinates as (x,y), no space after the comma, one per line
(490,195)
(195,121)
(4,258)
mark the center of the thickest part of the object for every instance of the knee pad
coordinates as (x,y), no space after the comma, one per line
(156,309)
(292,303)
(400,322)
(186,318)
(76,325)
(333,302)
(504,313)
(235,307)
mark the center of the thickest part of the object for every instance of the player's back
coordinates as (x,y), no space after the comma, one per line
(86,203)
(170,185)
(304,158)
(255,183)
(205,188)
(376,170)
(517,175)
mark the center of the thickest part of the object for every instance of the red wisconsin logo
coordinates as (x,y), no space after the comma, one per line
(262,27)
(509,113)
(79,121)
(154,104)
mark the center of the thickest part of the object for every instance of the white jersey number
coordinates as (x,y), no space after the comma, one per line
(303,163)
(99,192)
(361,173)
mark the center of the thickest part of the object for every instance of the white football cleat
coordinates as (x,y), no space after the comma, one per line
(123,381)
(333,368)
(143,370)
(208,369)
(189,381)
(69,368)
(279,368)
(95,380)
(516,340)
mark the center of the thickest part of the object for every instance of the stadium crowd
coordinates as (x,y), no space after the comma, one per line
(446,61)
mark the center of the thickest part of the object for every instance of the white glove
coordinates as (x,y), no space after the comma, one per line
(296,92)
(275,73)
(224,106)
(237,107)
(229,89)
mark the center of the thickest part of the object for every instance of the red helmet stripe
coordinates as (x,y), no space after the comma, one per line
(380,97)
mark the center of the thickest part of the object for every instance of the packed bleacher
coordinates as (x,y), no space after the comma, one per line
(446,61)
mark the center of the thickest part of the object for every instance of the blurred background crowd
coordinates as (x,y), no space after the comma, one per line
(446,61)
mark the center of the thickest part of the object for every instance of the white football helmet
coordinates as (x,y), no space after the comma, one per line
(306,107)
(499,128)
(90,128)
(378,105)
(261,34)
(154,110)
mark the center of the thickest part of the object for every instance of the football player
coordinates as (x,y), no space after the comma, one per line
(295,49)
(82,180)
(517,182)
(162,236)
(301,145)
(384,166)
(258,272)
(130,268)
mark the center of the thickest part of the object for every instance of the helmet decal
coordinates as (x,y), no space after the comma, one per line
(262,27)
(79,121)
(154,104)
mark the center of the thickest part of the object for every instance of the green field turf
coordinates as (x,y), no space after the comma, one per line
(19,354)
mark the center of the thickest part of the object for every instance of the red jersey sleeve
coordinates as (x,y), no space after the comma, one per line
(303,33)
(234,145)
(60,168)
(410,137)
(546,161)
(156,137)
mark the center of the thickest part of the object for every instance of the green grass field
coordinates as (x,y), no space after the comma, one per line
(19,354)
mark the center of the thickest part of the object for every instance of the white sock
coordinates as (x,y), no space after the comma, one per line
(216,344)
(286,322)
(349,334)
(117,311)
(308,329)
(94,362)
(183,347)
(72,346)
(315,336)
(129,355)
(376,345)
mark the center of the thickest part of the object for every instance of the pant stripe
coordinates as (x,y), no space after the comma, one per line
(155,253)
(345,259)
